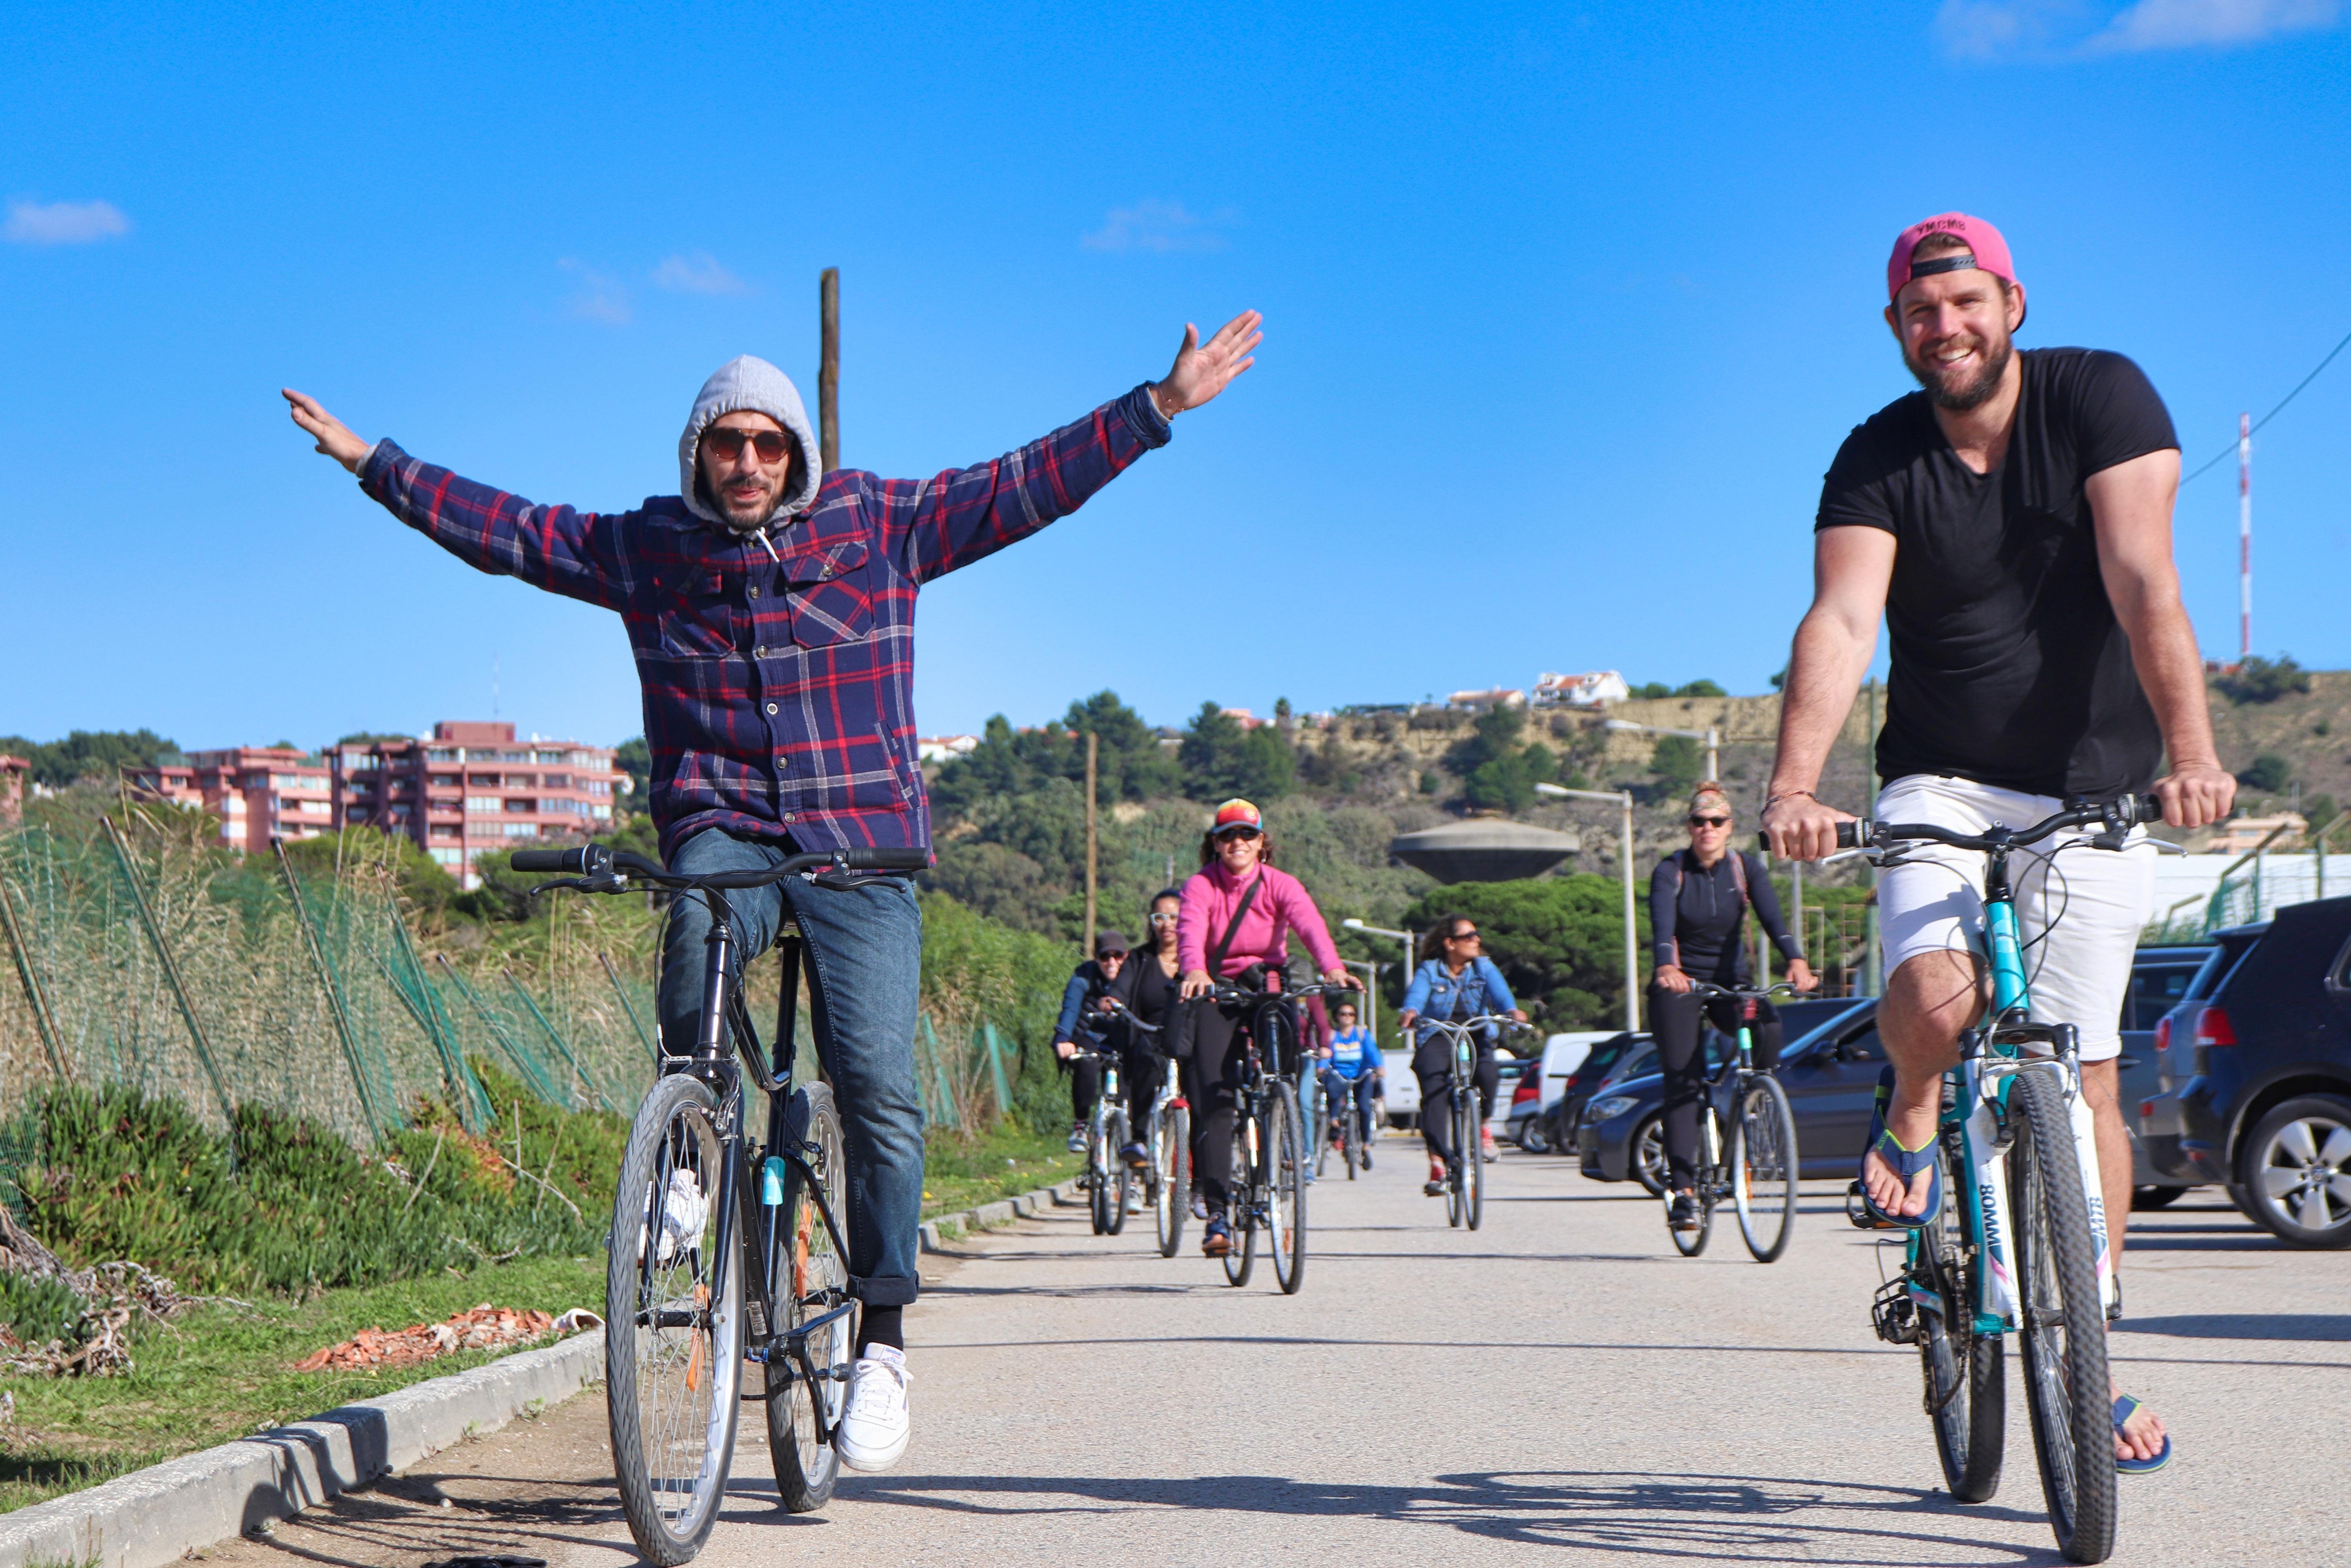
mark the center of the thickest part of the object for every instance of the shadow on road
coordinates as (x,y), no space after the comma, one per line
(2332,1327)
(1717,1518)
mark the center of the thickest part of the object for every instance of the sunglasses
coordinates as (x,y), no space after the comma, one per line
(726,445)
(1709,822)
(1463,937)
(1239,833)
(1163,920)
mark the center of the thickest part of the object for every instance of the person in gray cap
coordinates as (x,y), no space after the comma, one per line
(770,607)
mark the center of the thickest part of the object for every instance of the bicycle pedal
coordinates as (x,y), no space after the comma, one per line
(1857,1215)
(1893,1313)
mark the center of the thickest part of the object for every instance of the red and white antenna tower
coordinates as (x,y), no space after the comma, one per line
(2244,536)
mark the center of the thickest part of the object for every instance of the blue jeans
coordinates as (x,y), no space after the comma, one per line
(864,948)
(1337,1086)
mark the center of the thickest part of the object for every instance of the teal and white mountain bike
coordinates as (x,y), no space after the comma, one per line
(2019,1246)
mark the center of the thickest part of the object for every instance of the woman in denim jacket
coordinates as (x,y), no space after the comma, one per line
(1455,980)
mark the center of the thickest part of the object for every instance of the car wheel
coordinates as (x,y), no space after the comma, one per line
(2297,1172)
(1644,1157)
(1534,1136)
(2155,1197)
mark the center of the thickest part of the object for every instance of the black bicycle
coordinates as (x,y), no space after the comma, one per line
(1465,1174)
(724,1248)
(1349,1132)
(1166,1143)
(1747,1142)
(1269,1149)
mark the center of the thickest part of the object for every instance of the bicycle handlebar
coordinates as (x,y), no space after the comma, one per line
(1117,1008)
(2119,815)
(601,865)
(1737,993)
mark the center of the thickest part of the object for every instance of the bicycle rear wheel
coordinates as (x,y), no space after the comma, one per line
(1243,1188)
(1763,1168)
(2064,1336)
(1468,1137)
(1286,1210)
(1122,1183)
(809,1278)
(1690,1243)
(674,1335)
(1172,1150)
(1965,1372)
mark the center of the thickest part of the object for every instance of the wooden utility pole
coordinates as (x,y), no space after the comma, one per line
(1087,936)
(828,370)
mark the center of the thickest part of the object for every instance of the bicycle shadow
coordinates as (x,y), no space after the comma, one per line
(1687,1517)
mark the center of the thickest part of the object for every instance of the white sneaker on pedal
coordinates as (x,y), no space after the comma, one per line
(874,1431)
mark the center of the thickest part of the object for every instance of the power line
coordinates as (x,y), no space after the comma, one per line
(2230,450)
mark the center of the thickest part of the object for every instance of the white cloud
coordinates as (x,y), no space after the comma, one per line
(2050,29)
(2188,23)
(600,297)
(698,274)
(63,223)
(1157,225)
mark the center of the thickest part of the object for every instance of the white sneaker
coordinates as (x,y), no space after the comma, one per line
(874,1432)
(1134,1200)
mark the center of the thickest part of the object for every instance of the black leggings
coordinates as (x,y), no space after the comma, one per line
(1432,1064)
(1674,1017)
(1219,1046)
(1138,1078)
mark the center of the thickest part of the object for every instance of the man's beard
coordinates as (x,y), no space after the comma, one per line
(1978,391)
(763,515)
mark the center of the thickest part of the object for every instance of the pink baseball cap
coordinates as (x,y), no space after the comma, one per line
(1986,249)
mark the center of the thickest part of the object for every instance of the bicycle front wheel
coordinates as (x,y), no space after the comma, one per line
(810,1277)
(672,1312)
(1763,1168)
(1965,1371)
(1172,1153)
(1115,1139)
(1101,1203)
(2064,1336)
(1286,1169)
(1351,1136)
(1469,1138)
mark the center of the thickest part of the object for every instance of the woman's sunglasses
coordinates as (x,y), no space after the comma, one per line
(1238,833)
(1463,937)
(1168,919)
(727,444)
(1709,822)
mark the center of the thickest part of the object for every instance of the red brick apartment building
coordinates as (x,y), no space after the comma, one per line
(257,793)
(473,788)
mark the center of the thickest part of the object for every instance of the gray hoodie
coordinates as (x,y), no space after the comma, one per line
(747,384)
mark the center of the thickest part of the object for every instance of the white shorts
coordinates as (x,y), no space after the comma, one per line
(2080,910)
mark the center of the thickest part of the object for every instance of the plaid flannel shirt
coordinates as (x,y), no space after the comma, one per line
(778,693)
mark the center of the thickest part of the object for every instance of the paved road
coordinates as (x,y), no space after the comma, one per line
(1557,1386)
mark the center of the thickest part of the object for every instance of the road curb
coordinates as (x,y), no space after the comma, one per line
(156,1516)
(948,1228)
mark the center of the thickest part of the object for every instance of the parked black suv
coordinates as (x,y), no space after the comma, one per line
(2267,1104)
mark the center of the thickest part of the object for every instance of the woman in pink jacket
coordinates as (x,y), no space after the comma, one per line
(1212,944)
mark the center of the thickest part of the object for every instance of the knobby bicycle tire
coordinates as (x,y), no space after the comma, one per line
(1242,1186)
(1122,1183)
(1965,1372)
(673,1354)
(1763,1168)
(806,1266)
(1286,1167)
(1098,1164)
(1172,1157)
(2064,1334)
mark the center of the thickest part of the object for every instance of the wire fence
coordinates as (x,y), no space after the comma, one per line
(142,958)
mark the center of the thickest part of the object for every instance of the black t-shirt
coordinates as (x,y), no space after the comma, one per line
(2009,667)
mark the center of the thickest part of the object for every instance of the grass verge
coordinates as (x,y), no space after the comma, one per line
(960,1173)
(220,1373)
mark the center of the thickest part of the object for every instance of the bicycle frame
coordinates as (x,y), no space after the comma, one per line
(1992,1055)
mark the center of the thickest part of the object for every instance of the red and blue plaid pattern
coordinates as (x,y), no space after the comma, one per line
(778,694)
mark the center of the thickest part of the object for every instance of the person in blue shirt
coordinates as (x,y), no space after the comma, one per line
(1355,1068)
(1455,980)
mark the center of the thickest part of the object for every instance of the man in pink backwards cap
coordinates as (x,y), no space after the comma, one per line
(2012,524)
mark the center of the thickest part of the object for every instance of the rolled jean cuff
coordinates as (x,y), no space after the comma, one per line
(885,1289)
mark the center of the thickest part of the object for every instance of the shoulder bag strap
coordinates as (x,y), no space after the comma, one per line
(1232,928)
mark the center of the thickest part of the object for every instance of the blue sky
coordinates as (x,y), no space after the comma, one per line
(1567,310)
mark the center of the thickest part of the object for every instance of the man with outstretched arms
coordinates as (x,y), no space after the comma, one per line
(771,611)
(2011,523)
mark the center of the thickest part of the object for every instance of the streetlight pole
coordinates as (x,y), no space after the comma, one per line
(1370,988)
(1622,798)
(1710,735)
